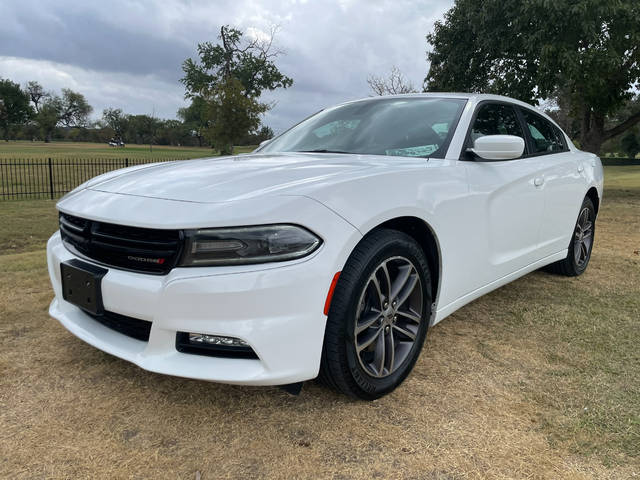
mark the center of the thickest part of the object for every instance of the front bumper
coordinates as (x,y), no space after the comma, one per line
(276,308)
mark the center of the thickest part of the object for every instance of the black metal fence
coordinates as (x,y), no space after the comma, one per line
(53,177)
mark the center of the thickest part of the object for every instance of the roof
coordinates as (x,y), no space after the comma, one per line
(474,97)
(469,96)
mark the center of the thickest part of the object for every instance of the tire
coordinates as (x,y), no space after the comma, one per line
(361,300)
(581,244)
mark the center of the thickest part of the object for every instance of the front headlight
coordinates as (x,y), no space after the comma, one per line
(245,245)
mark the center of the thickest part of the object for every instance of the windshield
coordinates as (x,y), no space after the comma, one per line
(407,127)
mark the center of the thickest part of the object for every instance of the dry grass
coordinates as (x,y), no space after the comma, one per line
(540,379)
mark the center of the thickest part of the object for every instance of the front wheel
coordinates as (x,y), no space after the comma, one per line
(378,317)
(581,244)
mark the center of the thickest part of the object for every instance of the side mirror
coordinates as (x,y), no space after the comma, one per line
(497,147)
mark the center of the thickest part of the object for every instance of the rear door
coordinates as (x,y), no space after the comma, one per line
(506,198)
(562,182)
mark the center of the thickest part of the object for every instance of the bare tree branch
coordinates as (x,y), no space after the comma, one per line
(622,127)
(394,84)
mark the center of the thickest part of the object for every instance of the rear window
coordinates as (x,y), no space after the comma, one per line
(547,138)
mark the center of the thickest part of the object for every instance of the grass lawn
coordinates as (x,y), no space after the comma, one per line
(35,150)
(539,379)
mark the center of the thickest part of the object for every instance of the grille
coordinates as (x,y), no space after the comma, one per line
(131,248)
(131,327)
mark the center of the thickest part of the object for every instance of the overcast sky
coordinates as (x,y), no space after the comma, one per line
(128,54)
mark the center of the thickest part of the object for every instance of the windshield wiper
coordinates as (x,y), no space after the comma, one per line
(322,150)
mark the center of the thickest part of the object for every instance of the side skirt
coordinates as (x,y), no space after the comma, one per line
(442,313)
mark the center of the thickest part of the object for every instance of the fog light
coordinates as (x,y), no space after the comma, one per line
(213,345)
(200,338)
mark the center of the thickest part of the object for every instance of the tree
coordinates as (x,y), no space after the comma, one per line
(36,94)
(141,129)
(14,106)
(225,85)
(265,133)
(71,110)
(394,84)
(195,117)
(172,132)
(588,49)
(251,63)
(75,109)
(116,120)
(48,117)
(233,114)
(630,144)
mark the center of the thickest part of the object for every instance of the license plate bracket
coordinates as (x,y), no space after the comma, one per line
(82,285)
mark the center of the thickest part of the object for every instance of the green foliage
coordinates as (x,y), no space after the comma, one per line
(195,117)
(630,144)
(14,106)
(233,114)
(48,117)
(141,129)
(115,120)
(249,62)
(529,50)
(71,110)
(74,109)
(224,87)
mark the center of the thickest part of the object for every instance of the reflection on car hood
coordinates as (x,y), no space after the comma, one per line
(239,177)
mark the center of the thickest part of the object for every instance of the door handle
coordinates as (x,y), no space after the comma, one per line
(580,168)
(538,181)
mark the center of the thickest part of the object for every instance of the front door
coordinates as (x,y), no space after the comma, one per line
(506,197)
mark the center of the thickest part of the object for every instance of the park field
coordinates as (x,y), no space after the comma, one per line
(40,150)
(539,379)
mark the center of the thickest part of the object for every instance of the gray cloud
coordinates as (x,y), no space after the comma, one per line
(128,54)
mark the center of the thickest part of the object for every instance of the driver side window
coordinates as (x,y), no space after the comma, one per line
(496,119)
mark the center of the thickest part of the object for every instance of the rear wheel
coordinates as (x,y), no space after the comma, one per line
(378,317)
(581,243)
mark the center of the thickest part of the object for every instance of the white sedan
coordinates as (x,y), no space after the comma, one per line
(328,251)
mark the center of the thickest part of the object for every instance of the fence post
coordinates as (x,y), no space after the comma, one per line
(50,179)
(126,162)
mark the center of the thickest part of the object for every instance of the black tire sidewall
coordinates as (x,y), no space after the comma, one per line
(391,245)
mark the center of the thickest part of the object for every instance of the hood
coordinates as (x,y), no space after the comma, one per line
(235,178)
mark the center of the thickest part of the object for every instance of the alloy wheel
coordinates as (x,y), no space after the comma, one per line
(583,237)
(388,317)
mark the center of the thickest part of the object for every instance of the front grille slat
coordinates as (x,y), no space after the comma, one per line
(74,234)
(71,225)
(130,241)
(131,250)
(137,249)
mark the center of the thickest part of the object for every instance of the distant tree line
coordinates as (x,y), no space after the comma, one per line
(33,112)
(30,112)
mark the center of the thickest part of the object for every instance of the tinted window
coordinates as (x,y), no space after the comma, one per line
(496,119)
(407,127)
(546,136)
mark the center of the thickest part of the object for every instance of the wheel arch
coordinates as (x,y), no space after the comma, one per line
(592,194)
(424,234)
